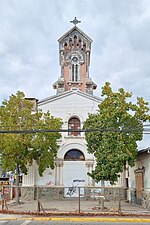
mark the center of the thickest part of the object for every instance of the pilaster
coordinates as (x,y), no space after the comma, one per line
(89,167)
(29,179)
(59,173)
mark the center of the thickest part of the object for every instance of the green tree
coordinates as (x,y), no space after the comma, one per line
(120,125)
(20,149)
(45,144)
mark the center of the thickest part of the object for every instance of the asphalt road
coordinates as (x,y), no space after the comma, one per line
(29,222)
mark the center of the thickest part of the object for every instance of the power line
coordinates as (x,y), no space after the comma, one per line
(71,130)
(44,125)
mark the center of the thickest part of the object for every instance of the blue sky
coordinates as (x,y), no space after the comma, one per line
(29,30)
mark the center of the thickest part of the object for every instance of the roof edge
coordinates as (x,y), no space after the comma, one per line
(80,31)
(67,93)
(145,150)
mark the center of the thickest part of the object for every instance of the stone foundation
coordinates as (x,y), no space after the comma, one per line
(48,193)
(27,193)
(51,193)
(109,193)
(146,200)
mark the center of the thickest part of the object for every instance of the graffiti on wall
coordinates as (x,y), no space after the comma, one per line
(73,190)
(49,183)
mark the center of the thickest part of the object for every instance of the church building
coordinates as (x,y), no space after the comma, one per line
(73,101)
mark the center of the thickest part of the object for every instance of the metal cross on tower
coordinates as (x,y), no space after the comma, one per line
(75,21)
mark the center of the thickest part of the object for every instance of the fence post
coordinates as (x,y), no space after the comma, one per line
(119,206)
(2,197)
(79,199)
(38,203)
(102,194)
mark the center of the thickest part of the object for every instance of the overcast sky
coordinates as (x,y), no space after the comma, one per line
(29,30)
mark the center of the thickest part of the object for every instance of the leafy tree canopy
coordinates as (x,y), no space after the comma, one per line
(120,124)
(22,148)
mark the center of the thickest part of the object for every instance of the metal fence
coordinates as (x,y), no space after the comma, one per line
(77,200)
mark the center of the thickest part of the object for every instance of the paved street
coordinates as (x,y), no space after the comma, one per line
(29,222)
(7,219)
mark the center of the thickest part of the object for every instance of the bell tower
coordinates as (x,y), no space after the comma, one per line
(74,59)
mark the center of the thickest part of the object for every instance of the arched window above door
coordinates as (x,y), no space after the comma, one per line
(74,124)
(74,155)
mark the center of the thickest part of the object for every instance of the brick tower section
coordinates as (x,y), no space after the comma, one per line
(74,58)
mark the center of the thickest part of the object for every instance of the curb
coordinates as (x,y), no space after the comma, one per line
(79,219)
(76,214)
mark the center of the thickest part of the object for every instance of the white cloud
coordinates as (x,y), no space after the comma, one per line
(29,31)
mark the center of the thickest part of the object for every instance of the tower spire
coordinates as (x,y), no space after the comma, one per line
(75,21)
(74,59)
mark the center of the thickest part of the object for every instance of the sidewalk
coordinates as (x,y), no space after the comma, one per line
(72,207)
(67,210)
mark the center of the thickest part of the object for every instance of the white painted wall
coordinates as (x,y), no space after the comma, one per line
(143,160)
(65,106)
(48,178)
(74,175)
(69,105)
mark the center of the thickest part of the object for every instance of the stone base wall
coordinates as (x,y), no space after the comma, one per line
(133,196)
(50,193)
(27,193)
(146,200)
(45,193)
(111,193)
(57,193)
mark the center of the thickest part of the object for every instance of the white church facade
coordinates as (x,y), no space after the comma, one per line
(73,101)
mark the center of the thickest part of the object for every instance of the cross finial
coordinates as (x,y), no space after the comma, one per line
(75,21)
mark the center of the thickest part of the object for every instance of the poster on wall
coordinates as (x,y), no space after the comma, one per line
(4,188)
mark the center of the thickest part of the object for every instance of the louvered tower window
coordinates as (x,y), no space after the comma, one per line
(75,70)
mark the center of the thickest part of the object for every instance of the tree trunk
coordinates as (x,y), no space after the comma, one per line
(102,194)
(17,185)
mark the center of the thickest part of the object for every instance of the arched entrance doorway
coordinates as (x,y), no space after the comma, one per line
(74,172)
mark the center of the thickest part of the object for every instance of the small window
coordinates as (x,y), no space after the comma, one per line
(75,70)
(74,155)
(74,124)
(73,73)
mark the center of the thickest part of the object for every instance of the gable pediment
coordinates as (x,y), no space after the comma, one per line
(75,30)
(73,93)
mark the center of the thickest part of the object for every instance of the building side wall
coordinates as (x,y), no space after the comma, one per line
(143,161)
